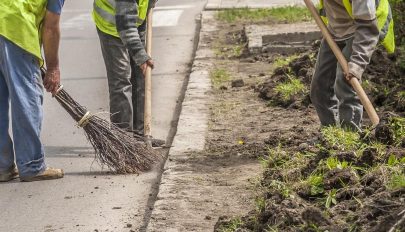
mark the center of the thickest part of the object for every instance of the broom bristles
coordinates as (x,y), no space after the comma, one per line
(117,149)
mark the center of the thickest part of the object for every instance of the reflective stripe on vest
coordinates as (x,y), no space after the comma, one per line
(104,15)
(20,22)
(385,22)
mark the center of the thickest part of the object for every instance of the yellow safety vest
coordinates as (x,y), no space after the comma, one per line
(104,15)
(20,22)
(384,21)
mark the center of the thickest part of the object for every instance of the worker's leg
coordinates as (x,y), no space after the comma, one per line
(6,144)
(350,107)
(117,62)
(22,75)
(138,98)
(322,87)
(138,89)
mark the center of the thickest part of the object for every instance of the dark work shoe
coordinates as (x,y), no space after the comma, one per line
(9,175)
(158,142)
(48,174)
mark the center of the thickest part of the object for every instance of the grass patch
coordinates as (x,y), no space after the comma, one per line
(277,157)
(219,77)
(340,138)
(287,14)
(289,89)
(333,162)
(398,126)
(281,187)
(231,226)
(315,182)
(283,61)
(397,181)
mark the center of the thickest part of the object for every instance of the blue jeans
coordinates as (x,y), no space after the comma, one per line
(334,99)
(21,88)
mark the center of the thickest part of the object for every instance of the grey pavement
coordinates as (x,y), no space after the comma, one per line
(89,198)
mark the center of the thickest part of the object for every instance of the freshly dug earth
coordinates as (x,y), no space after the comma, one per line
(328,180)
(382,81)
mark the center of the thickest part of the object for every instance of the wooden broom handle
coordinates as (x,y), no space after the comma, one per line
(342,61)
(148,79)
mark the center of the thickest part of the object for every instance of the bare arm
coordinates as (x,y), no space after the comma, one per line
(50,39)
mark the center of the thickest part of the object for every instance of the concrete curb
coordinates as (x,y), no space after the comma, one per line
(191,133)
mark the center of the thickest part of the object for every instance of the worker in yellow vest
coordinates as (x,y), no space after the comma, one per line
(357,27)
(23,25)
(121,27)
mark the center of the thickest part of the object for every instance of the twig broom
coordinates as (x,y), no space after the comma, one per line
(117,149)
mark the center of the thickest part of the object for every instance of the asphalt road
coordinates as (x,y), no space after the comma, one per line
(89,198)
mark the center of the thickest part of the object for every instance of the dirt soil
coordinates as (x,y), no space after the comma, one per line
(313,180)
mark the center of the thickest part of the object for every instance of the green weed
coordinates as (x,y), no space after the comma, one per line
(397,181)
(219,77)
(397,124)
(315,181)
(331,198)
(260,204)
(232,226)
(340,138)
(290,88)
(333,162)
(380,147)
(401,96)
(282,61)
(368,86)
(277,157)
(393,161)
(282,188)
(288,14)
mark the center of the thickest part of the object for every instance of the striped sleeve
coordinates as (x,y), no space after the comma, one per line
(126,18)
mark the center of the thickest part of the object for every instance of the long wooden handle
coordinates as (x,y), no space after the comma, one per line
(342,61)
(148,80)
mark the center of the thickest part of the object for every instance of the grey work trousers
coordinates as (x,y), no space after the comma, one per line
(334,99)
(126,84)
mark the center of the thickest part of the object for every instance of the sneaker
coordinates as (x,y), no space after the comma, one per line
(11,174)
(48,174)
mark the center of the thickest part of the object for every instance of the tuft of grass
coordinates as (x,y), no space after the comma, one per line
(396,178)
(315,181)
(396,181)
(290,88)
(287,14)
(380,147)
(340,138)
(393,161)
(260,203)
(369,86)
(283,61)
(331,198)
(333,162)
(397,124)
(277,158)
(282,188)
(219,77)
(231,226)
(401,94)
